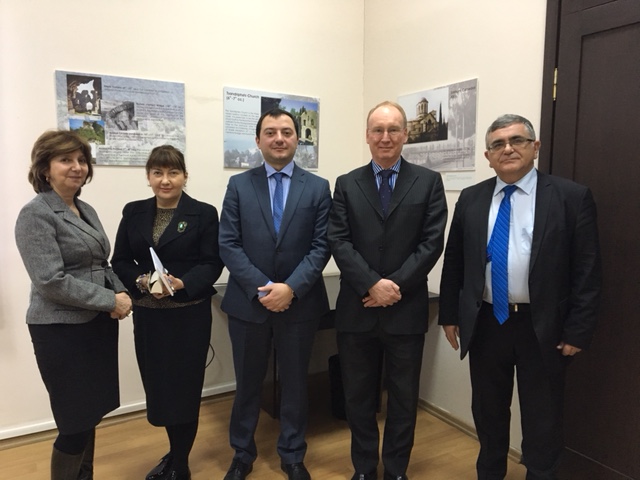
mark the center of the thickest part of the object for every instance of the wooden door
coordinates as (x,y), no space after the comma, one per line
(591,133)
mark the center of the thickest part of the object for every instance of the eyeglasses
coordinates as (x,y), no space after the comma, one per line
(515,142)
(393,132)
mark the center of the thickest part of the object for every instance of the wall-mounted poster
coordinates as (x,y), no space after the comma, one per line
(442,128)
(242,109)
(122,118)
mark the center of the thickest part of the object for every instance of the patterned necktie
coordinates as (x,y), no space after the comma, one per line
(498,251)
(385,189)
(278,203)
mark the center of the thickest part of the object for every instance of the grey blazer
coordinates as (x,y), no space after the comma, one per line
(66,259)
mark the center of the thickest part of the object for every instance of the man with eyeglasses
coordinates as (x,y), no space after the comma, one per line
(519,290)
(386,232)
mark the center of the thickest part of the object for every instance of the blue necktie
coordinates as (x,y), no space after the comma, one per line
(278,203)
(498,252)
(385,189)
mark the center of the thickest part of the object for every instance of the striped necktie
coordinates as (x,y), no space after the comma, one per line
(498,252)
(278,203)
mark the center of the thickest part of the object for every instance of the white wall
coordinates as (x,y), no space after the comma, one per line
(350,53)
(299,47)
(426,44)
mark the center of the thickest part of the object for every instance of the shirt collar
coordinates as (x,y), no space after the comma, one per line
(525,184)
(377,168)
(287,169)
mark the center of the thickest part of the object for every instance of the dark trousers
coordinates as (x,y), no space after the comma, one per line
(495,351)
(360,358)
(251,343)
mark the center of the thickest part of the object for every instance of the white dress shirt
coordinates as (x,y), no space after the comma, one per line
(523,204)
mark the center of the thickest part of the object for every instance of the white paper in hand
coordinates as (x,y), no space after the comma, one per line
(159,273)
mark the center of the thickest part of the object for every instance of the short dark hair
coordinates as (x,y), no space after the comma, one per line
(49,145)
(166,156)
(275,113)
(509,119)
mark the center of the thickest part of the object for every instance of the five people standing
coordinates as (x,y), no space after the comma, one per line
(519,292)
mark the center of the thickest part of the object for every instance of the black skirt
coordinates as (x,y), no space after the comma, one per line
(79,366)
(171,348)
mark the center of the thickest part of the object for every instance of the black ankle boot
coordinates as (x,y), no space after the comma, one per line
(64,466)
(86,466)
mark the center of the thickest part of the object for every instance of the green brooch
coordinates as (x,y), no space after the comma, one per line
(182,226)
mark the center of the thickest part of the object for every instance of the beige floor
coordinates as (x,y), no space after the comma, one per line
(129,449)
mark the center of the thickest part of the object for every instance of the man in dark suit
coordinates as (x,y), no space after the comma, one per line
(273,240)
(543,314)
(386,232)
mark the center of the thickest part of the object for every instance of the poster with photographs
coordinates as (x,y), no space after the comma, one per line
(243,108)
(442,127)
(122,118)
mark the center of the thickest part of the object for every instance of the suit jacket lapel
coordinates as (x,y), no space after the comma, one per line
(261,187)
(544,193)
(144,218)
(480,215)
(91,226)
(367,184)
(405,180)
(296,187)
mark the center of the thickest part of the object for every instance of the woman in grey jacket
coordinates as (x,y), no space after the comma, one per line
(75,301)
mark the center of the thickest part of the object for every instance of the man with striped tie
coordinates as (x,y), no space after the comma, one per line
(386,232)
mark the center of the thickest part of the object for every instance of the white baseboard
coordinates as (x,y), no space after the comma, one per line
(514,454)
(48,428)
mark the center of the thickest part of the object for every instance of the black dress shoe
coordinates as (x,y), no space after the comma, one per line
(161,470)
(173,475)
(365,476)
(388,476)
(238,470)
(296,471)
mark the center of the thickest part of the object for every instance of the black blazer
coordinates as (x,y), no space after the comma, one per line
(188,248)
(403,247)
(564,272)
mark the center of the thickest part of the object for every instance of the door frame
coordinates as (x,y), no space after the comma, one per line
(548,104)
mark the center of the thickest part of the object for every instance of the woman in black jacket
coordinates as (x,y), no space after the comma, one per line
(172,326)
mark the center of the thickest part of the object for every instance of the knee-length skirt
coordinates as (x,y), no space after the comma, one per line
(171,348)
(79,366)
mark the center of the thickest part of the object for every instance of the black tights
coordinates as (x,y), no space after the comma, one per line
(75,443)
(181,438)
